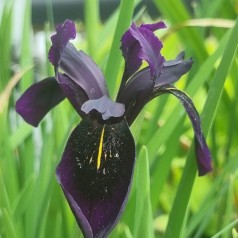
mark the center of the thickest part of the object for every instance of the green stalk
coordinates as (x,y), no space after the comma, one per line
(180,205)
(115,56)
(91,10)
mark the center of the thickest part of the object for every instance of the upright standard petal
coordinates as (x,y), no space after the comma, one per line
(202,151)
(74,93)
(83,71)
(140,88)
(95,174)
(76,64)
(38,100)
(140,43)
(64,33)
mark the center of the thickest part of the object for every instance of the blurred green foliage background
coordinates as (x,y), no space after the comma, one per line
(168,199)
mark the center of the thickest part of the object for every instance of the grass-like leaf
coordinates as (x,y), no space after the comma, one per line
(181,201)
(115,57)
(143,212)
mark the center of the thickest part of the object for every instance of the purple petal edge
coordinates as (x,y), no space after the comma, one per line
(76,64)
(64,33)
(97,196)
(140,43)
(38,100)
(203,155)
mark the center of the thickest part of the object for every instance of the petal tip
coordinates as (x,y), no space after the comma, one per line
(204,161)
(22,111)
(140,43)
(64,33)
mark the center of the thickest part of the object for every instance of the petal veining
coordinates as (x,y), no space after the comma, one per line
(202,151)
(64,33)
(140,43)
(173,70)
(38,100)
(83,70)
(97,192)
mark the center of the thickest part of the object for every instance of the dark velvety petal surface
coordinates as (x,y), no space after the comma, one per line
(136,93)
(203,155)
(64,32)
(173,70)
(141,87)
(140,43)
(81,68)
(202,151)
(38,100)
(76,64)
(105,106)
(74,93)
(95,173)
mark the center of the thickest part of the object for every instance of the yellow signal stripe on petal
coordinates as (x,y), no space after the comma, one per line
(100,148)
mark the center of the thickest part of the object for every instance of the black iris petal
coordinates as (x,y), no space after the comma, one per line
(96,172)
(98,183)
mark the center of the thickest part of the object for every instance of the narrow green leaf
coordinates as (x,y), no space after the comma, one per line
(161,167)
(8,224)
(175,12)
(229,205)
(200,220)
(58,224)
(36,215)
(115,56)
(234,233)
(164,133)
(50,13)
(8,163)
(91,21)
(181,200)
(208,9)
(26,54)
(19,136)
(143,226)
(4,200)
(5,39)
(225,229)
(22,200)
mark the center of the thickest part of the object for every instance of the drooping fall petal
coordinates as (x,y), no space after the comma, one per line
(95,173)
(38,100)
(83,71)
(202,152)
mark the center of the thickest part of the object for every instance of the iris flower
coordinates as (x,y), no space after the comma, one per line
(97,164)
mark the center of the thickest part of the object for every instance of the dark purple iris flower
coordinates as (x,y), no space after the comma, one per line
(96,168)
